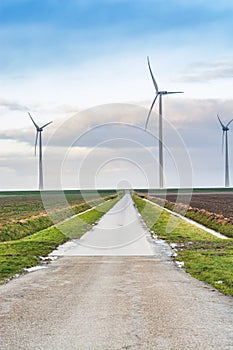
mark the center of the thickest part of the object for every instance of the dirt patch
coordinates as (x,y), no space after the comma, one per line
(219,203)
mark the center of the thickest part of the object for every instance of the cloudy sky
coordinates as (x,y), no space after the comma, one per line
(61,59)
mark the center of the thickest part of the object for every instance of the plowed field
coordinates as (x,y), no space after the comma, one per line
(219,203)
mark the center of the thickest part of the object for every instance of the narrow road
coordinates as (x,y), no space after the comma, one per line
(120,232)
(111,302)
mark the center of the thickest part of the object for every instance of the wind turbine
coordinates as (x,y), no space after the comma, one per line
(225,129)
(160,94)
(38,135)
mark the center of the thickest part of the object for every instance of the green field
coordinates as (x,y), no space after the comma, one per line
(16,255)
(218,217)
(19,204)
(22,213)
(204,256)
(26,236)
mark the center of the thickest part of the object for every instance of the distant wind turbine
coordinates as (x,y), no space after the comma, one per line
(38,135)
(225,129)
(160,94)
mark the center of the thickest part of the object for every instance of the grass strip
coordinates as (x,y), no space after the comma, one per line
(211,220)
(76,227)
(27,226)
(27,252)
(205,257)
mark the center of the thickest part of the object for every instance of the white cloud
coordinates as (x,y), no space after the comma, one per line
(212,71)
(102,142)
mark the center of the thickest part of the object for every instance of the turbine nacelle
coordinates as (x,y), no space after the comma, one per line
(224,127)
(158,93)
(169,92)
(39,129)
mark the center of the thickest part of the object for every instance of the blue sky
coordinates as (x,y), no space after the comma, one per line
(49,34)
(61,57)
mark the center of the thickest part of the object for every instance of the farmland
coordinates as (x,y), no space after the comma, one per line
(204,256)
(219,203)
(23,213)
(21,204)
(213,209)
(207,258)
(16,255)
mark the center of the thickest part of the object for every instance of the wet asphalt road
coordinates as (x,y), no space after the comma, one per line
(120,232)
(114,302)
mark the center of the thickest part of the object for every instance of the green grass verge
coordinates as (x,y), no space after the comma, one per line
(23,204)
(27,252)
(201,216)
(223,228)
(25,226)
(76,227)
(205,256)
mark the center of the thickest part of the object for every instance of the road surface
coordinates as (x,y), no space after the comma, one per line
(114,302)
(120,232)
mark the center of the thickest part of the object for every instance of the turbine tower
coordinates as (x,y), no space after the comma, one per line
(160,94)
(225,129)
(38,135)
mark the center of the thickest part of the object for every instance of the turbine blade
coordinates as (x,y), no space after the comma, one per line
(229,122)
(37,127)
(152,105)
(220,121)
(174,92)
(45,125)
(152,76)
(37,134)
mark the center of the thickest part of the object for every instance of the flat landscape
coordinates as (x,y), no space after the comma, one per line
(123,268)
(26,235)
(24,204)
(212,208)
(22,213)
(116,175)
(219,203)
(126,294)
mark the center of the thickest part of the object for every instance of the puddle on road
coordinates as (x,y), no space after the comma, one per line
(163,247)
(45,264)
(35,268)
(180,264)
(167,252)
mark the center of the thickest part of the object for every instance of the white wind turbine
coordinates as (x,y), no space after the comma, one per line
(38,135)
(225,129)
(160,94)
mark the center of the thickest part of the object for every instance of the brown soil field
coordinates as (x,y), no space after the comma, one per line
(219,203)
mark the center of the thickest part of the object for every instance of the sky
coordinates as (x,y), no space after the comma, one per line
(82,64)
